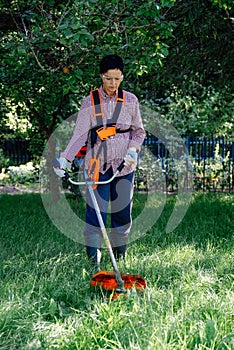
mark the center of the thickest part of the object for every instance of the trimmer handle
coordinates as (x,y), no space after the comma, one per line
(56,164)
(86,182)
(121,166)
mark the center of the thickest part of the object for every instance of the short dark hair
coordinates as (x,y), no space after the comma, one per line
(111,62)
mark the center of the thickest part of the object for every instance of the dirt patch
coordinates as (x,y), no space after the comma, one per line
(19,189)
(8,189)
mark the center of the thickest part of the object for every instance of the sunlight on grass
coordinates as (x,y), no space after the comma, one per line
(47,303)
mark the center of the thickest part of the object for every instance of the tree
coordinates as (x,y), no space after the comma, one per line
(49,51)
(194,89)
(202,47)
(175,51)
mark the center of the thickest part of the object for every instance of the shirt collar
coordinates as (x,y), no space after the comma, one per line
(104,95)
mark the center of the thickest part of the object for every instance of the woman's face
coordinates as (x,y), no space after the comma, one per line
(111,80)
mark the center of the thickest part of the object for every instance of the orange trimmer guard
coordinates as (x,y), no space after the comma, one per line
(107,281)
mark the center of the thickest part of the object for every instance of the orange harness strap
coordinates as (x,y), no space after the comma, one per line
(110,130)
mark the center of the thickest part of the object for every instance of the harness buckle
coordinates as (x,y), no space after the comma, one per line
(120,99)
(98,115)
(105,133)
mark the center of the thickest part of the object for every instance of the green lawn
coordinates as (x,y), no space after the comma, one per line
(46,301)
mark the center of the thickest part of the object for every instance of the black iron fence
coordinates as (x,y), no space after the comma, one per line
(211,161)
(17,151)
(199,148)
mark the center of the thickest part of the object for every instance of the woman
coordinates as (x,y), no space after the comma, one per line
(114,114)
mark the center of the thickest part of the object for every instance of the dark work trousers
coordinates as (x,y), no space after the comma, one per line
(119,194)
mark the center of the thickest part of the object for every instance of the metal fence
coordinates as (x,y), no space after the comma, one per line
(199,148)
(211,159)
(17,151)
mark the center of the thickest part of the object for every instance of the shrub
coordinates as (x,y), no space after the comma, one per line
(23,174)
(4,161)
(165,173)
(212,173)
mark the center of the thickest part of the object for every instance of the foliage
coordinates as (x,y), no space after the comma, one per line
(194,88)
(152,173)
(23,174)
(4,161)
(175,51)
(201,49)
(164,173)
(200,110)
(54,46)
(213,173)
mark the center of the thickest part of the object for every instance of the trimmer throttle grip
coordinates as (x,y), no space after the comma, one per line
(56,163)
(121,166)
(66,175)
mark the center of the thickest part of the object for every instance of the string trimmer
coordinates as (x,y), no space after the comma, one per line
(111,281)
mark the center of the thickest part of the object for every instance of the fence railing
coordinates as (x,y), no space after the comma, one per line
(211,161)
(198,147)
(17,150)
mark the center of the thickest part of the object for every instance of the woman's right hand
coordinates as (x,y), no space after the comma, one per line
(60,166)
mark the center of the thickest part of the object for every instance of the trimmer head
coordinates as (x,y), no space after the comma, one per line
(107,280)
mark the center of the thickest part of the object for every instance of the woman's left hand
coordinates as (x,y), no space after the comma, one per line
(131,157)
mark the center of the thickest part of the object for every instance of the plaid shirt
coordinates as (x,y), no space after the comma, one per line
(117,146)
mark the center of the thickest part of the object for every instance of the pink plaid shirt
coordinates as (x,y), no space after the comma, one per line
(117,145)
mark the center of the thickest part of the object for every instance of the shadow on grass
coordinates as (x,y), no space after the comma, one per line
(44,276)
(203,241)
(37,261)
(32,247)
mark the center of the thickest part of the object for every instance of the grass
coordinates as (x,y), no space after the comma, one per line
(46,301)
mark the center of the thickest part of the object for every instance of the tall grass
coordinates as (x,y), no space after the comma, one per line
(46,301)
